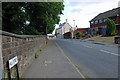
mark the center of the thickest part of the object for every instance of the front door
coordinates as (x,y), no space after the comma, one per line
(99,30)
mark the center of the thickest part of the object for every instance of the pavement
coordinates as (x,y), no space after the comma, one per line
(52,63)
(99,41)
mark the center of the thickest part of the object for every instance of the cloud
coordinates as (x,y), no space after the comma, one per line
(82,11)
(76,10)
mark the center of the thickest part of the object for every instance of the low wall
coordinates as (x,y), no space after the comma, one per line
(22,46)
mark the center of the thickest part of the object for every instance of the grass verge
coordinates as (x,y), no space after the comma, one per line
(111,40)
(97,38)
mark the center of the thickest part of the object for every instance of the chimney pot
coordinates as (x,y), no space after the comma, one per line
(66,21)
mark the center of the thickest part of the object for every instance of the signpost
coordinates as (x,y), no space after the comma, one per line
(11,63)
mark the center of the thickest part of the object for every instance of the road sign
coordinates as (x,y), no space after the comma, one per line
(13,62)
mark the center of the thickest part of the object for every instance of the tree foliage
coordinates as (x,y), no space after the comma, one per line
(111,28)
(41,15)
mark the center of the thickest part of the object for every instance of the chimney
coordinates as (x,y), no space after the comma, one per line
(119,4)
(66,21)
(76,26)
(60,24)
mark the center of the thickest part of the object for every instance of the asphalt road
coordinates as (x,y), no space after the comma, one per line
(92,60)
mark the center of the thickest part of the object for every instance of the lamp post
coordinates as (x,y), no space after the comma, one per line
(73,30)
(74,23)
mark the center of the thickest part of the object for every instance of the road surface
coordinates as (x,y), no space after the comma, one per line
(92,60)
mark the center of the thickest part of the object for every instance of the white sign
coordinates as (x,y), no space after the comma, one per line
(13,62)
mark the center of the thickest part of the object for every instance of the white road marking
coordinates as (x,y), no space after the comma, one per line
(87,46)
(109,52)
(70,61)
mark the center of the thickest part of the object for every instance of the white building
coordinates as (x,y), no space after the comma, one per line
(63,28)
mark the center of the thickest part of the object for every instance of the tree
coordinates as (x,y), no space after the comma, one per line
(56,33)
(41,15)
(78,34)
(111,28)
(13,17)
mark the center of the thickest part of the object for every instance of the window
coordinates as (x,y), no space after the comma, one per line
(100,20)
(96,22)
(92,22)
(105,20)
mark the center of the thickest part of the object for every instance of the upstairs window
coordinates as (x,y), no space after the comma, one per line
(92,22)
(105,20)
(100,20)
(96,22)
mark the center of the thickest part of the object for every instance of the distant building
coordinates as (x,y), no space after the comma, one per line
(98,23)
(63,28)
(50,36)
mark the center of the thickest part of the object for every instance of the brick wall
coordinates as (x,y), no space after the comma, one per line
(117,20)
(24,47)
(81,30)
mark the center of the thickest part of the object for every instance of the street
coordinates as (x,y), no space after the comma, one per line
(93,60)
(74,59)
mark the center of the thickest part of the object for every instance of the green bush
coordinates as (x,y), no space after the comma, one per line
(36,55)
(86,34)
(111,28)
(78,34)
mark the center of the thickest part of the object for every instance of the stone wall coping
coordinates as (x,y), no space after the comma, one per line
(19,36)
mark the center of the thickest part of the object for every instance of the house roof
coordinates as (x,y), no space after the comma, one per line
(82,28)
(61,25)
(107,14)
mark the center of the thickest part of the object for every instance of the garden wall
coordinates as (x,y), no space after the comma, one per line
(22,46)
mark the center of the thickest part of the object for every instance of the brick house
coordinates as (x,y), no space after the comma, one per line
(81,30)
(98,23)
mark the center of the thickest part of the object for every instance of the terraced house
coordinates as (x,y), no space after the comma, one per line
(98,23)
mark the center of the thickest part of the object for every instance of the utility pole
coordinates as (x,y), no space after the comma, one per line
(72,31)
(74,23)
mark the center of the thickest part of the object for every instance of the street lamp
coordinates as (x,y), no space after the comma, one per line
(74,23)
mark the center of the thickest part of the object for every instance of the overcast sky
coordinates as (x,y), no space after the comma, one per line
(82,11)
